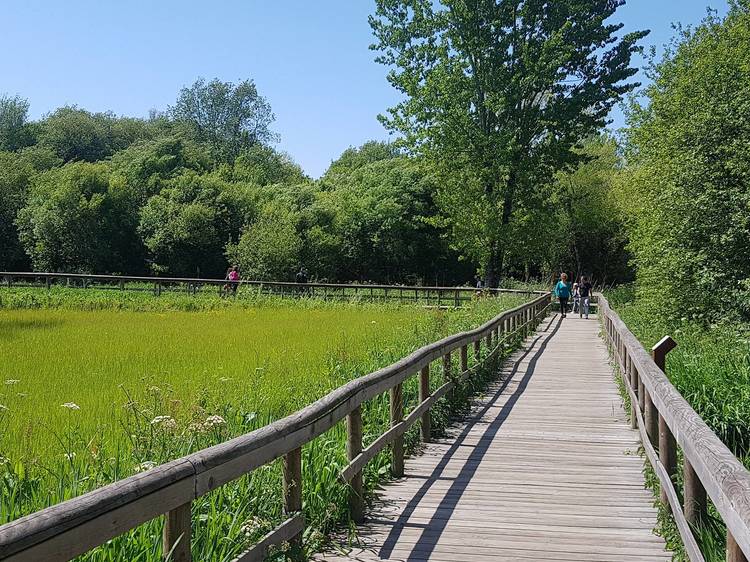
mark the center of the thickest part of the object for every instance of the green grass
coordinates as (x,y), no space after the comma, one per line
(153,379)
(711,369)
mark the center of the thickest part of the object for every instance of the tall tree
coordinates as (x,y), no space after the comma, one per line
(498,94)
(229,117)
(14,129)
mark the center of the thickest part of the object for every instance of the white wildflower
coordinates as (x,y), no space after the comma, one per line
(197,427)
(12,381)
(253,526)
(71,406)
(166,423)
(212,421)
(70,456)
(146,465)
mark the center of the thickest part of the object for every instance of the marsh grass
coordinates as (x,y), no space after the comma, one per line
(148,379)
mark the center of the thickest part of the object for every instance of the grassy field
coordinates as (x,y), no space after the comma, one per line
(711,368)
(97,387)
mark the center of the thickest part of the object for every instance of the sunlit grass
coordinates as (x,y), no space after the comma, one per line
(146,379)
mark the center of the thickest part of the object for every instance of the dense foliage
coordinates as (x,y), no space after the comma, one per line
(686,188)
(498,94)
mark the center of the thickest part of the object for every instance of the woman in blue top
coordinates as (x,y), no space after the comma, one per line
(562,292)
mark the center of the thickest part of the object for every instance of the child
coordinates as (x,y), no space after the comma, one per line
(562,292)
(576,298)
(585,291)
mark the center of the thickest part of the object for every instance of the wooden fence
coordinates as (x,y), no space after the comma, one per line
(76,526)
(665,421)
(440,296)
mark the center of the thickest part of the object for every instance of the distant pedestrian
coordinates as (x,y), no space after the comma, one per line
(585,290)
(562,292)
(301,280)
(234,279)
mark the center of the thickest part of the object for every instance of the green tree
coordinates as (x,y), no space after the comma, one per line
(686,190)
(354,158)
(17,171)
(270,247)
(15,132)
(498,94)
(230,118)
(262,165)
(75,221)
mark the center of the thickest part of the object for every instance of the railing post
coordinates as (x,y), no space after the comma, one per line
(652,419)
(488,340)
(458,300)
(464,358)
(354,448)
(447,365)
(478,350)
(292,484)
(397,416)
(734,553)
(695,505)
(424,393)
(176,536)
(633,377)
(667,443)
(47,282)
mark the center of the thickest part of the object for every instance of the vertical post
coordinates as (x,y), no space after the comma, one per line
(354,448)
(652,419)
(46,282)
(667,444)
(667,455)
(292,468)
(478,350)
(397,416)
(695,506)
(633,376)
(447,365)
(424,394)
(176,535)
(734,553)
(488,339)
(464,358)
(458,298)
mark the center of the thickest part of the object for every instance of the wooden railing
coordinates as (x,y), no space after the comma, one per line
(74,527)
(440,296)
(665,421)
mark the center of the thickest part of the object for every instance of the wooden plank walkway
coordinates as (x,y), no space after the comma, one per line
(545,468)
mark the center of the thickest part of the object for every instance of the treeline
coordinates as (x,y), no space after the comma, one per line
(191,190)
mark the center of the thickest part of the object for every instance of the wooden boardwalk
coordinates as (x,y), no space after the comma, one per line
(545,468)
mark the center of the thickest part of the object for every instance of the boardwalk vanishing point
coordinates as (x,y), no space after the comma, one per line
(545,468)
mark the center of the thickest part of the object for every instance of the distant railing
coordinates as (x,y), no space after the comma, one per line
(665,420)
(76,526)
(440,296)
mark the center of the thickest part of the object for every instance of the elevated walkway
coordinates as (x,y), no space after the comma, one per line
(546,467)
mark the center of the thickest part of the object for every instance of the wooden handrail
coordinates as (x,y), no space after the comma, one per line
(710,463)
(73,527)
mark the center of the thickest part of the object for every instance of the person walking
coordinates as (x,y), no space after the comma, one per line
(562,292)
(585,289)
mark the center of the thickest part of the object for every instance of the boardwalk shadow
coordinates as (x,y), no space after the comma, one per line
(433,530)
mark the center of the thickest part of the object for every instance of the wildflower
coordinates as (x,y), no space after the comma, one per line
(4,460)
(71,406)
(253,525)
(212,421)
(167,423)
(12,381)
(197,427)
(70,456)
(145,465)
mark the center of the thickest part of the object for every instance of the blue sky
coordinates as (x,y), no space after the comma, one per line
(309,58)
